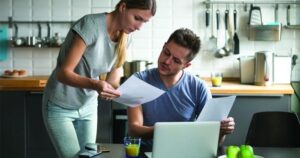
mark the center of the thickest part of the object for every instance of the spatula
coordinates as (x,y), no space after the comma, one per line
(236,40)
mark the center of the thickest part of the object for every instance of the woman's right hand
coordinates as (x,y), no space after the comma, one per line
(106,91)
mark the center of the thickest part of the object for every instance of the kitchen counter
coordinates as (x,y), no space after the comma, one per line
(230,86)
(30,83)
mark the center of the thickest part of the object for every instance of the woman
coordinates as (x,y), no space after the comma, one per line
(95,44)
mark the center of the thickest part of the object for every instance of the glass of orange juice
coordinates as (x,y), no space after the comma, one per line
(216,79)
(132,147)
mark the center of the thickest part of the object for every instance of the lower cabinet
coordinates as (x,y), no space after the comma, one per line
(22,131)
(13,128)
(38,143)
(244,108)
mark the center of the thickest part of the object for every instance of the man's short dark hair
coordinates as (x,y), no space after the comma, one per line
(187,39)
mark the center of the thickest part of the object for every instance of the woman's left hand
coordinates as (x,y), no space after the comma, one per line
(107,91)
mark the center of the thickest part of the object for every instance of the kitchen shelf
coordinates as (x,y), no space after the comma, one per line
(10,21)
(250,2)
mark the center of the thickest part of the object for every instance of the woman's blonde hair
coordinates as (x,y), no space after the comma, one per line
(121,49)
(122,41)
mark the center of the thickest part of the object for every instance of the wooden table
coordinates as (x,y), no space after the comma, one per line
(117,151)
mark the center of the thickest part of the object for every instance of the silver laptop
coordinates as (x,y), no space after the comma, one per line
(185,140)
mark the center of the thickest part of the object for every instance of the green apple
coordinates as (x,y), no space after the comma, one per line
(246,151)
(232,151)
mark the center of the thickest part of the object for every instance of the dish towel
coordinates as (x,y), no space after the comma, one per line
(3,43)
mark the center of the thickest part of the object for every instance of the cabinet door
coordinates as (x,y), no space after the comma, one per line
(12,124)
(104,131)
(38,141)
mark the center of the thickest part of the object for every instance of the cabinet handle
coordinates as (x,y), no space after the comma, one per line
(121,117)
(33,92)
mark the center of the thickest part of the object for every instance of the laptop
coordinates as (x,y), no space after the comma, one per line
(185,140)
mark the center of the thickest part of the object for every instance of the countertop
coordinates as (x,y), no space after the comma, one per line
(230,86)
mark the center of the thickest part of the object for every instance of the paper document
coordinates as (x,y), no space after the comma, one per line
(216,109)
(135,92)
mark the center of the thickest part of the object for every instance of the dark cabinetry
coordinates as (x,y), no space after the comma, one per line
(13,129)
(23,133)
(38,143)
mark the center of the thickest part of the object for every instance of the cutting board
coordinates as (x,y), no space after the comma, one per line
(3,43)
(30,81)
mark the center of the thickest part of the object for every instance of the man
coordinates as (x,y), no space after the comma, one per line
(185,94)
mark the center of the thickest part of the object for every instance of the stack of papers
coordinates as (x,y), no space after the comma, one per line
(135,92)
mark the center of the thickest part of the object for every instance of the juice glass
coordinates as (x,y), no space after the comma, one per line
(132,147)
(216,79)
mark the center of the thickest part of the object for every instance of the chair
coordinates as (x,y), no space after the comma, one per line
(274,129)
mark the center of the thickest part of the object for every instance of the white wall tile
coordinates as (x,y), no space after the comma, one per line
(61,3)
(22,63)
(42,63)
(81,3)
(41,71)
(165,12)
(61,14)
(22,10)
(101,10)
(78,12)
(5,9)
(163,3)
(101,3)
(41,10)
(162,23)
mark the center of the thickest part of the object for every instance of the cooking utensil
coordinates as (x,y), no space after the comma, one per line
(219,51)
(135,66)
(212,44)
(235,36)
(18,41)
(230,41)
(206,21)
(206,37)
(276,13)
(225,48)
(255,17)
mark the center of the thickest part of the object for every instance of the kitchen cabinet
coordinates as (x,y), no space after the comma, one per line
(23,133)
(38,143)
(104,131)
(245,106)
(13,129)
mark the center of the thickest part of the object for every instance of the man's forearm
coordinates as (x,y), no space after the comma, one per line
(144,132)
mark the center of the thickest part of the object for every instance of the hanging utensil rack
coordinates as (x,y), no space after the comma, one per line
(208,3)
(10,21)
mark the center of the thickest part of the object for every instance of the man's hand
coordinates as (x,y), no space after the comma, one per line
(227,126)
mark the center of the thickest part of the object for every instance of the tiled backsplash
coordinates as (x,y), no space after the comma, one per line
(147,43)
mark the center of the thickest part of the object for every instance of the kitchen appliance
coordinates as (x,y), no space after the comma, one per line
(282,69)
(247,69)
(135,66)
(263,68)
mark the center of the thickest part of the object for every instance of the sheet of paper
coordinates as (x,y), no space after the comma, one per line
(216,109)
(135,92)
